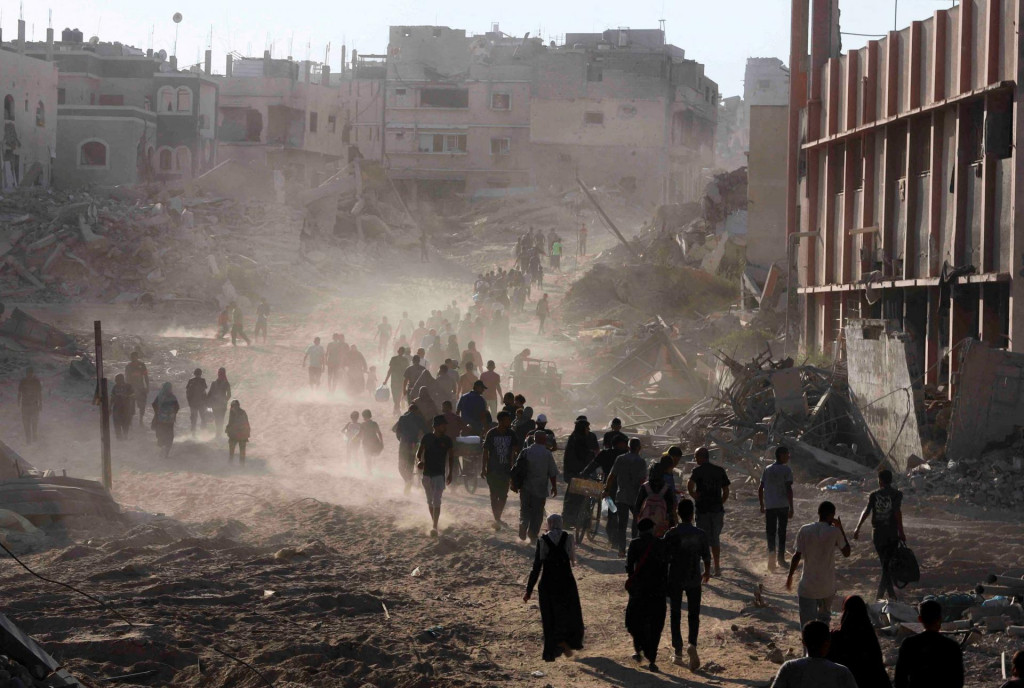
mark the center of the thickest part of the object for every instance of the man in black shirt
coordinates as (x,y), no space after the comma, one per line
(605,458)
(501,446)
(195,393)
(930,659)
(685,548)
(709,487)
(885,506)
(609,437)
(437,462)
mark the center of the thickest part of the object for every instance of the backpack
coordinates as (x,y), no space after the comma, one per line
(655,507)
(903,567)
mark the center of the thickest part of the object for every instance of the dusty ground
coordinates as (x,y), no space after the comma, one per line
(301,563)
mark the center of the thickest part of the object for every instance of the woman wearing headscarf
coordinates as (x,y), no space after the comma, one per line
(580,449)
(647,585)
(218,397)
(165,410)
(855,646)
(238,431)
(355,363)
(426,405)
(524,426)
(559,599)
(122,406)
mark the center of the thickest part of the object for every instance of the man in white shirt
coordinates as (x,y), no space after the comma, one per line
(816,546)
(814,671)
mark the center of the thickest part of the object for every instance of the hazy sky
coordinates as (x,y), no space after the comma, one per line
(721,34)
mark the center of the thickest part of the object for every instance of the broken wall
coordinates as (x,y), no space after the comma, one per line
(766,185)
(988,403)
(878,364)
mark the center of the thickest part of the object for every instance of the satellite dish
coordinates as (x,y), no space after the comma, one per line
(177,17)
(162,55)
(95,40)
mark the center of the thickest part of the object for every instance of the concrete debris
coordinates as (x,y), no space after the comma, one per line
(26,663)
(25,329)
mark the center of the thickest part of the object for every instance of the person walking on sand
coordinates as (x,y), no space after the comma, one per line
(410,377)
(262,317)
(238,432)
(686,548)
(556,255)
(628,473)
(165,411)
(334,356)
(500,447)
(396,370)
(543,311)
(351,434)
(315,356)
(30,398)
(775,494)
(930,659)
(195,396)
(409,430)
(437,463)
(581,241)
(492,387)
(472,408)
(814,670)
(816,545)
(384,332)
(122,406)
(885,506)
(709,488)
(855,646)
(533,470)
(580,450)
(561,615)
(472,354)
(371,441)
(224,322)
(647,586)
(218,398)
(138,377)
(466,380)
(238,327)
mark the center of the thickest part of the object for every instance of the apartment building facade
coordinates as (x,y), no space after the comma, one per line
(28,87)
(127,116)
(624,108)
(904,182)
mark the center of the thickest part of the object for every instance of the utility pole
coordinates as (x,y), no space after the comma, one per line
(104,399)
(384,110)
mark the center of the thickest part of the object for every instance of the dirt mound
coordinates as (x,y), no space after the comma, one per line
(632,293)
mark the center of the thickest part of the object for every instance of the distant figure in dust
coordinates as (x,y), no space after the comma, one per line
(581,241)
(30,396)
(122,399)
(560,612)
(409,430)
(424,255)
(370,440)
(437,462)
(315,356)
(165,410)
(138,377)
(396,371)
(335,352)
(355,381)
(224,322)
(543,311)
(238,432)
(218,397)
(195,395)
(351,433)
(262,316)
(238,327)
(556,255)
(383,337)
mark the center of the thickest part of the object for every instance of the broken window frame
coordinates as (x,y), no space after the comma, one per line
(93,154)
(501,145)
(592,118)
(40,114)
(332,124)
(442,143)
(165,99)
(444,98)
(314,122)
(183,99)
(502,95)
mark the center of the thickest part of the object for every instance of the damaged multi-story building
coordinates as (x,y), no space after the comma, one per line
(28,87)
(477,114)
(297,117)
(904,182)
(125,115)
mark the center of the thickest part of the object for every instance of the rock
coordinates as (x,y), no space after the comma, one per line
(776,656)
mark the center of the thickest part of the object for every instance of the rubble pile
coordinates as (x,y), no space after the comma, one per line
(995,481)
(768,402)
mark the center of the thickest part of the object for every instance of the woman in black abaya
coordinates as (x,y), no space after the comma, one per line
(560,612)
